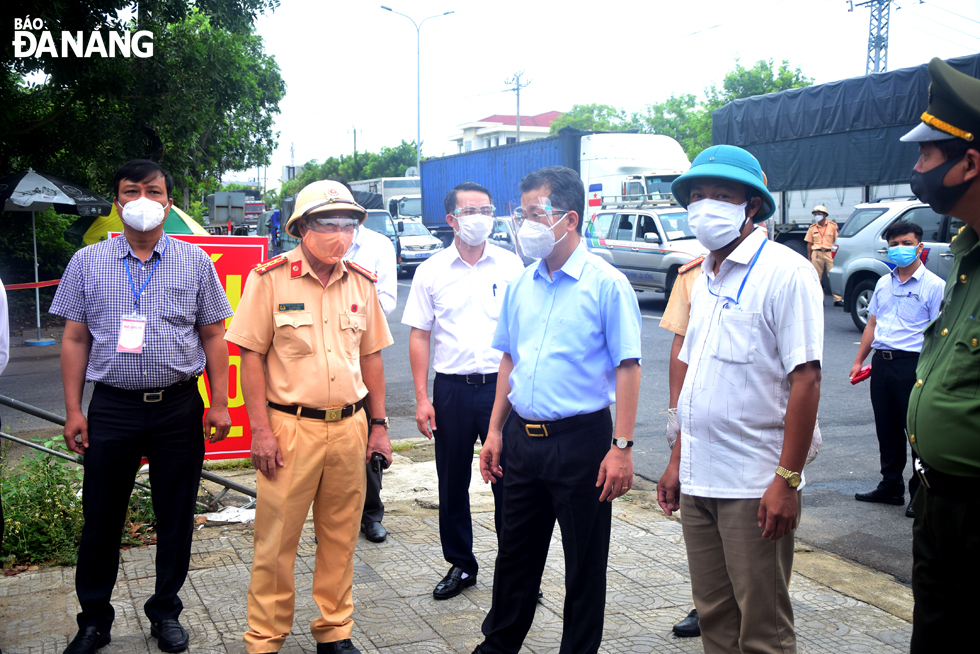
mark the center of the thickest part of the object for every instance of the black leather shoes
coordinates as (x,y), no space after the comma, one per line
(452,584)
(337,646)
(87,640)
(909,511)
(374,532)
(171,637)
(689,627)
(880,497)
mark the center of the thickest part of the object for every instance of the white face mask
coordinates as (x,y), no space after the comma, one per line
(715,223)
(474,230)
(142,214)
(538,240)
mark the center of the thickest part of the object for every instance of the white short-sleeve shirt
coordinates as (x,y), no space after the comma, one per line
(374,251)
(732,407)
(459,304)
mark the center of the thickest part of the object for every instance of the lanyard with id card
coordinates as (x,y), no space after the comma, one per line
(132,327)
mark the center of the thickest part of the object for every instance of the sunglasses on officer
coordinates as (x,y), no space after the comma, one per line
(329,225)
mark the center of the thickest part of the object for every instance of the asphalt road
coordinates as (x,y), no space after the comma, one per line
(875,535)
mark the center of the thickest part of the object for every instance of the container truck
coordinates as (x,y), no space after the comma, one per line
(616,168)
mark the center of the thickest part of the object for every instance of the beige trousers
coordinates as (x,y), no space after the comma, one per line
(740,580)
(823,262)
(323,465)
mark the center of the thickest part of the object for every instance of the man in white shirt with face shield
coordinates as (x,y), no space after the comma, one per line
(746,410)
(455,300)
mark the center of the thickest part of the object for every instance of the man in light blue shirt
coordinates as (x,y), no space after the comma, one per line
(904,302)
(569,330)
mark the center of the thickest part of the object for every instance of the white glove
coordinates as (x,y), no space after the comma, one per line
(673,427)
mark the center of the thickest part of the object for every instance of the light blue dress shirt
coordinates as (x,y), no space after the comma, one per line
(903,310)
(567,335)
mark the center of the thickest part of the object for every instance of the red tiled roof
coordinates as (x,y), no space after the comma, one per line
(541,120)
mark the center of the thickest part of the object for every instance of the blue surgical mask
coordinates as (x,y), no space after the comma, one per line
(902,255)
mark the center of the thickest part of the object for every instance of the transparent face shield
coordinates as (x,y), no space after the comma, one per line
(532,226)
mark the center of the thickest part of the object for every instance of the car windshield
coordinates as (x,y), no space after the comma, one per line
(675,226)
(860,219)
(378,221)
(414,229)
(410,207)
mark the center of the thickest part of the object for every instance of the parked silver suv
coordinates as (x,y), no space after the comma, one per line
(860,256)
(646,244)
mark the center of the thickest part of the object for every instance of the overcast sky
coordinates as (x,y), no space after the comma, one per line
(352,65)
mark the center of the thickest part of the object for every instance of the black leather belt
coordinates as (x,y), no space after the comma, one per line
(473,378)
(949,485)
(544,429)
(888,355)
(329,415)
(147,395)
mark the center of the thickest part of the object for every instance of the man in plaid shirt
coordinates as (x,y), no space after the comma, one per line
(143,319)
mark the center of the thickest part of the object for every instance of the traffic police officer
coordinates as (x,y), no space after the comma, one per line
(311,330)
(944,408)
(820,239)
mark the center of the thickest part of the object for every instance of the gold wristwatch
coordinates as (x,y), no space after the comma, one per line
(792,478)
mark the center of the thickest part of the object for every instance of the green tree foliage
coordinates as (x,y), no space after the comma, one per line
(203,103)
(687,118)
(594,117)
(387,162)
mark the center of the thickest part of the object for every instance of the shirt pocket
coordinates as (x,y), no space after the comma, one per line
(352,327)
(294,334)
(735,337)
(962,374)
(179,306)
(572,339)
(913,310)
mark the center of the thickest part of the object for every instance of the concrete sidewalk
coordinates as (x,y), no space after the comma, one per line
(840,607)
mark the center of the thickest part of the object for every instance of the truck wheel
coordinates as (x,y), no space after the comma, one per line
(671,278)
(860,299)
(797,245)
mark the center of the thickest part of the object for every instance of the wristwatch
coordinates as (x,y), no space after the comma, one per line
(384,422)
(792,478)
(622,443)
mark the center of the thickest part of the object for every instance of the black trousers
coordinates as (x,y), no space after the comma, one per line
(891,385)
(462,415)
(545,479)
(121,431)
(374,508)
(945,571)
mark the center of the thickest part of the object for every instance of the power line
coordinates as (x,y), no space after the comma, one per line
(972,36)
(941,38)
(931,4)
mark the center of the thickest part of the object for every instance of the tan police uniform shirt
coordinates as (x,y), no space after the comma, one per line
(822,238)
(313,336)
(678,311)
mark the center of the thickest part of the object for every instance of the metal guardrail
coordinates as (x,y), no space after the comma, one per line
(58,420)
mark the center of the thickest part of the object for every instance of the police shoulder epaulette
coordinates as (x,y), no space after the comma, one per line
(361,269)
(266,266)
(690,264)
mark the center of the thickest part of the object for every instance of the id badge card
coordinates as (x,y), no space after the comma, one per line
(132,329)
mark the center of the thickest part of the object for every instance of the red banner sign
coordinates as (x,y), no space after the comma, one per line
(233,257)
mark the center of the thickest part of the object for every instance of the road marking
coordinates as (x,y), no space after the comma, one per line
(652,317)
(404,284)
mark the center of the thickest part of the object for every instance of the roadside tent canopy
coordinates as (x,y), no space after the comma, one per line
(843,133)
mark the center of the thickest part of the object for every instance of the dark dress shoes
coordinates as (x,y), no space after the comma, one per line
(374,532)
(881,497)
(689,627)
(453,584)
(171,637)
(87,640)
(337,646)
(909,511)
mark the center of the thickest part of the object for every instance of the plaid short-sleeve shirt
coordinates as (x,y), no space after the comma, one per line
(183,293)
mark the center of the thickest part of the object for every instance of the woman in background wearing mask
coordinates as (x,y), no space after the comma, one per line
(904,302)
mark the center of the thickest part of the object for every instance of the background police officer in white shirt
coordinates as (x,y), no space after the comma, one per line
(455,299)
(747,408)
(374,252)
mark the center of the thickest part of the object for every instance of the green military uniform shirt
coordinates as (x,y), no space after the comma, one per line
(944,409)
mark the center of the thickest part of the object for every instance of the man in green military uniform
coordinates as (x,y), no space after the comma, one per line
(944,408)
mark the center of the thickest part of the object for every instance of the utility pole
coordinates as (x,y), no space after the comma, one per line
(877,35)
(355,146)
(516,81)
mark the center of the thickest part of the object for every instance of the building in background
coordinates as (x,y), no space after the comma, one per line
(499,129)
